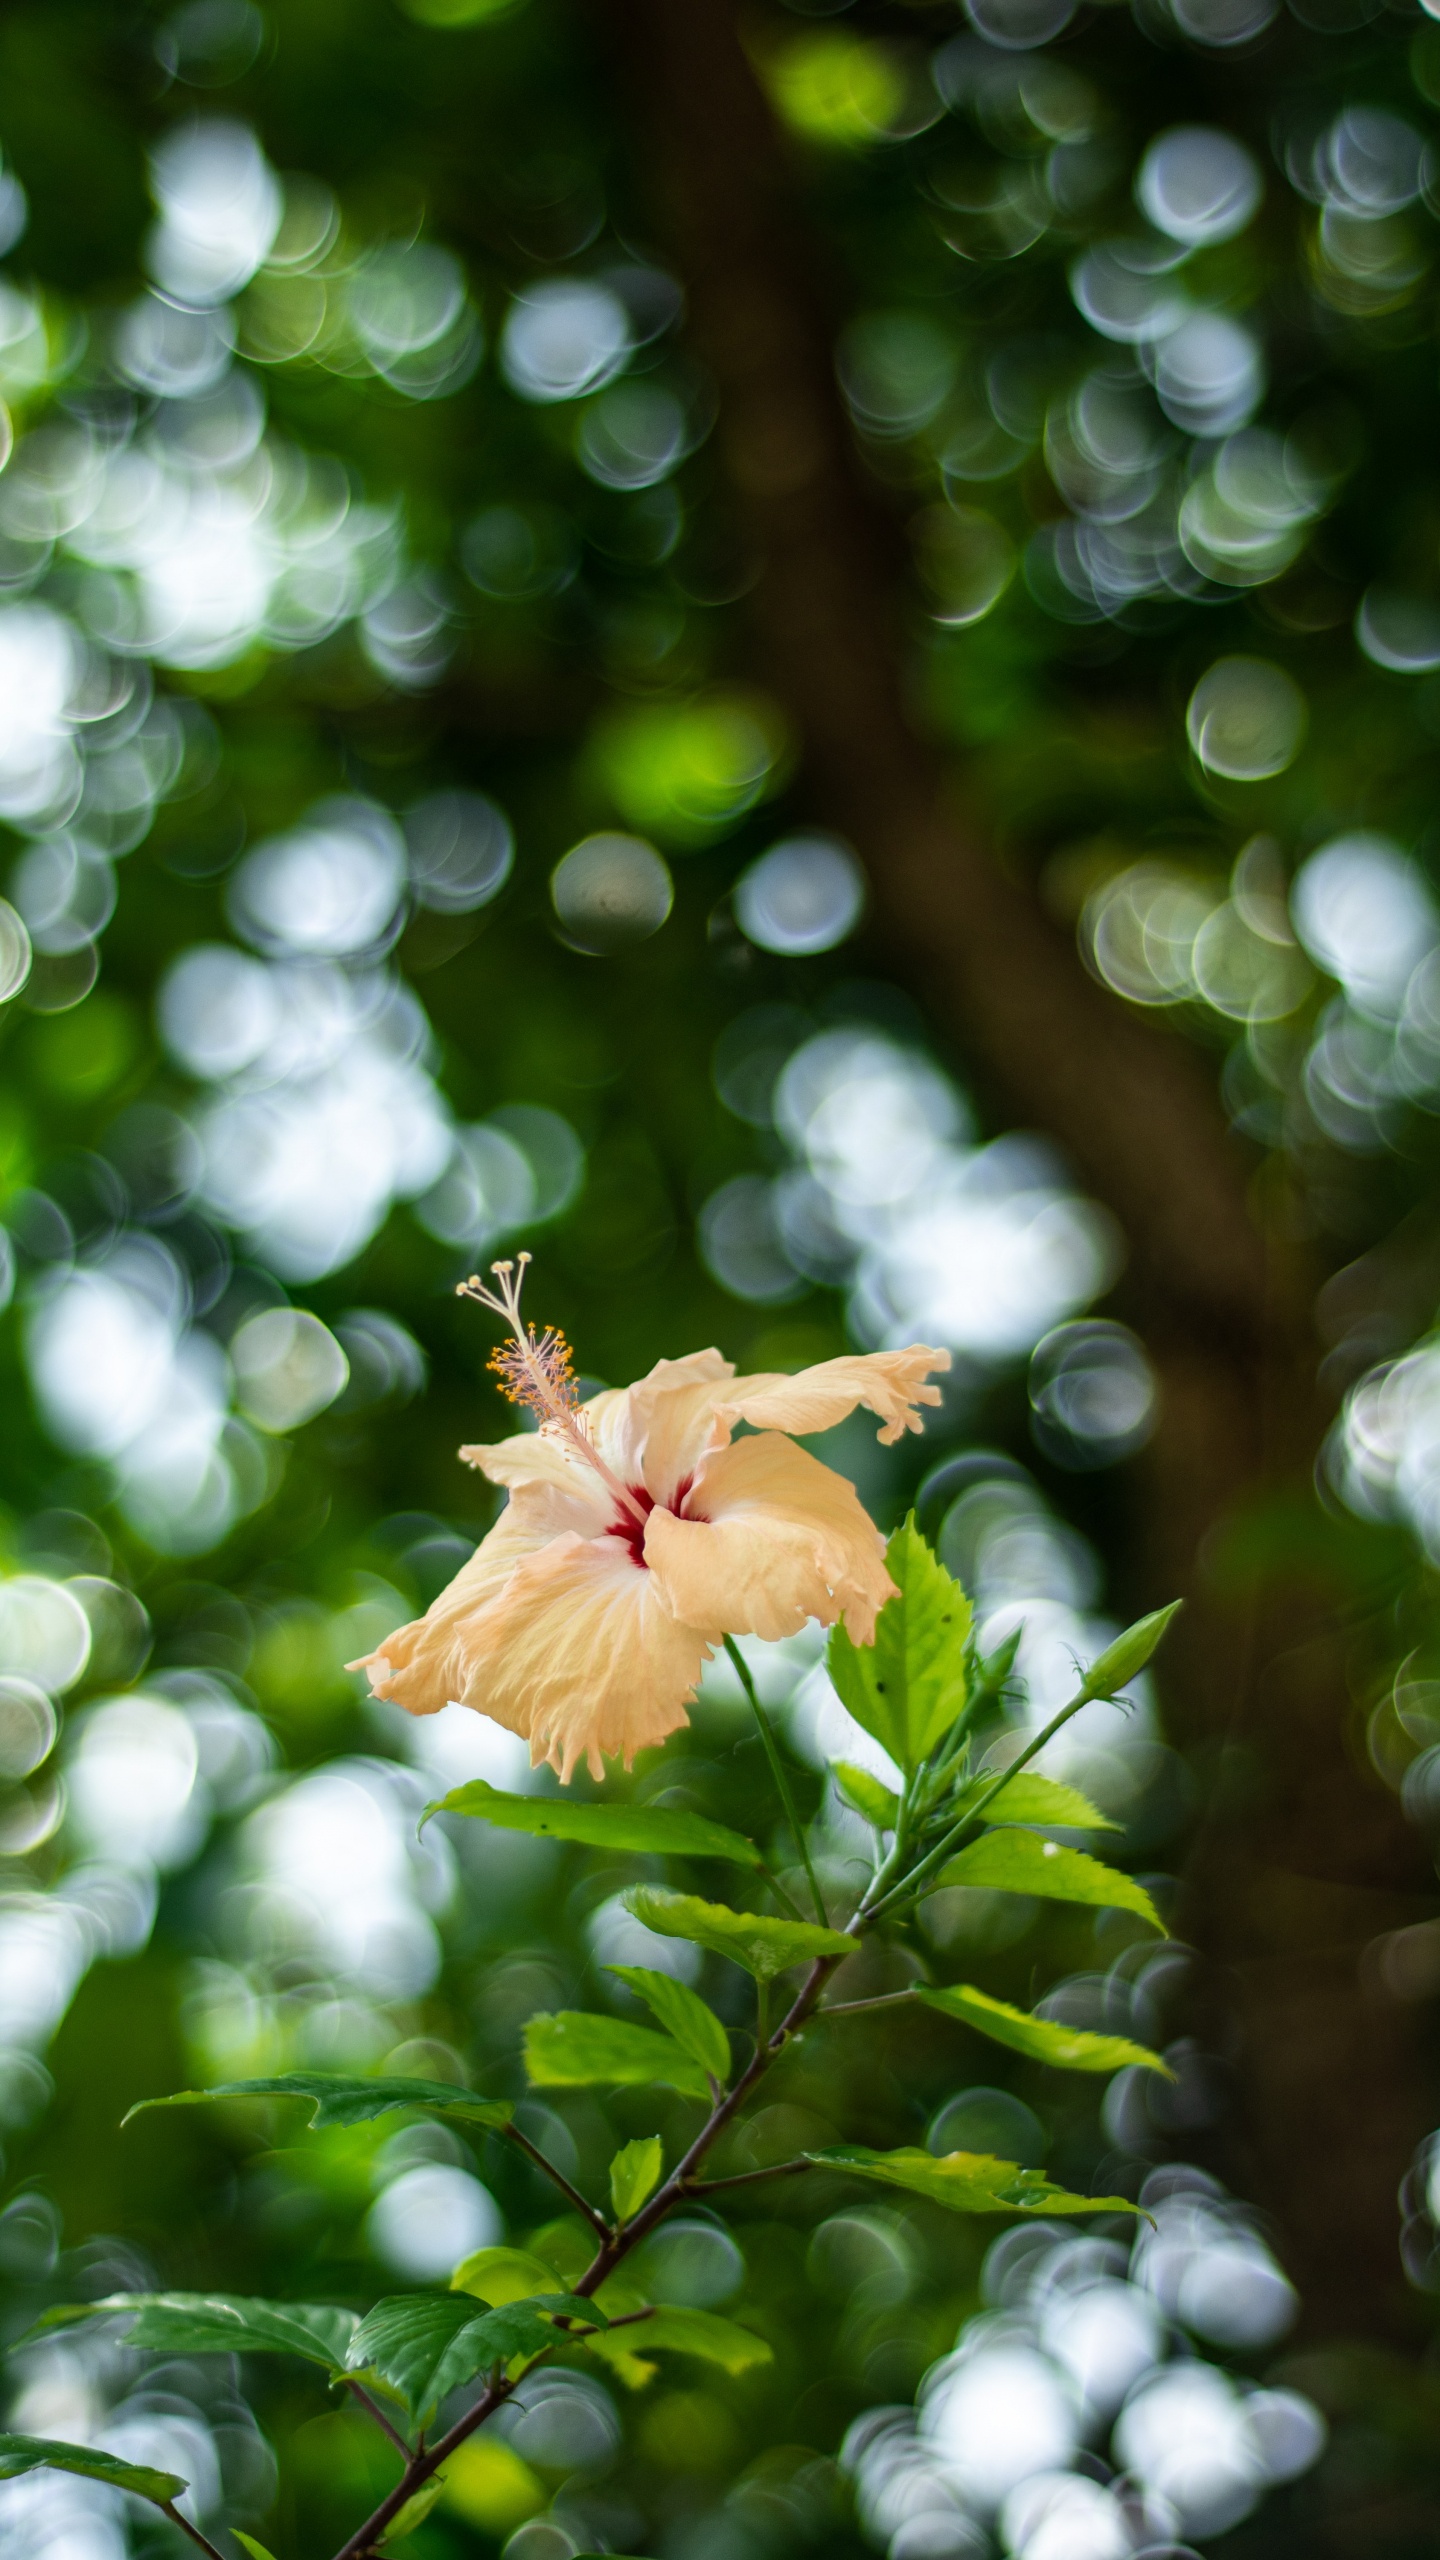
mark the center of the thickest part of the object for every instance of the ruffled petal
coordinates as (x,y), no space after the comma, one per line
(581,1656)
(426,1664)
(657,1431)
(891,1383)
(770,1538)
(545,1459)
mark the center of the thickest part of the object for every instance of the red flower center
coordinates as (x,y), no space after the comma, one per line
(631,1531)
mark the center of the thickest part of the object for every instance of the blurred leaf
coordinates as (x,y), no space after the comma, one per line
(415,2510)
(651,1829)
(634,2175)
(868,1795)
(909,1686)
(19,2454)
(337,2100)
(248,2543)
(764,1946)
(215,2324)
(498,2276)
(1019,1862)
(689,2019)
(967,2181)
(1031,1798)
(570,2049)
(1044,2039)
(680,2331)
(1121,1661)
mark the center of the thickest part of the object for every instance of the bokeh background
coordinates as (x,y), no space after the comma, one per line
(792,655)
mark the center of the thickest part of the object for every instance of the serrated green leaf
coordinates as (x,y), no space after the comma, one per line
(1043,2039)
(634,2175)
(869,1795)
(424,2345)
(19,2454)
(1128,1655)
(764,1946)
(664,1830)
(570,2049)
(966,2181)
(908,1687)
(214,2324)
(339,2100)
(498,2276)
(682,2012)
(247,2542)
(1019,1862)
(1028,1797)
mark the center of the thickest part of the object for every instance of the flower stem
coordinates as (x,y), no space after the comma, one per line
(777,1771)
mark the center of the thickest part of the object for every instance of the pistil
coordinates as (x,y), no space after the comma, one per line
(535,1371)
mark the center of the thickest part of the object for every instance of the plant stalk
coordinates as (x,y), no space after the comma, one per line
(777,1771)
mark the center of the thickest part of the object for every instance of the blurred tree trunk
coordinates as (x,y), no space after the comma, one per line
(1284,1890)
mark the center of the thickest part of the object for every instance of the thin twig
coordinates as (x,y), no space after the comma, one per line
(374,2410)
(596,2220)
(747,2177)
(974,1815)
(168,2509)
(777,1771)
(852,2008)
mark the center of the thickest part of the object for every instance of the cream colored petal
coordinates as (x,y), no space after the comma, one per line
(580,1654)
(545,1458)
(770,1539)
(424,1665)
(656,1432)
(891,1383)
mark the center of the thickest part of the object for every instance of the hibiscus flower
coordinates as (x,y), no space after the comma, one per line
(639,1532)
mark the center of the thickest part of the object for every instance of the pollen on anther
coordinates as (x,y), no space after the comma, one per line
(537,1371)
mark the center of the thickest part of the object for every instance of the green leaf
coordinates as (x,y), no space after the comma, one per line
(765,1947)
(658,1828)
(498,2276)
(687,2333)
(869,1795)
(19,2454)
(191,2324)
(688,2018)
(247,2542)
(703,2333)
(966,2181)
(1030,1798)
(570,2049)
(1120,1662)
(337,2100)
(414,2511)
(908,1687)
(634,2175)
(1019,1862)
(425,2345)
(1044,2039)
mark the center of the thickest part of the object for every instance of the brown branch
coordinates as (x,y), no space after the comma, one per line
(558,2178)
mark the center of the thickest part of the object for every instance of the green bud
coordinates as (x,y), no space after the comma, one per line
(1129,1653)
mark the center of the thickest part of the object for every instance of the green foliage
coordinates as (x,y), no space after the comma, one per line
(676,2329)
(966,2182)
(335,2100)
(869,1795)
(424,2345)
(19,2454)
(414,2511)
(635,2174)
(248,2544)
(694,2025)
(1043,2039)
(189,2324)
(658,1829)
(1018,1862)
(909,1686)
(1032,1799)
(500,2275)
(569,2049)
(764,1946)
